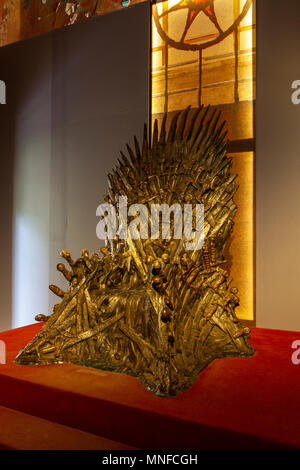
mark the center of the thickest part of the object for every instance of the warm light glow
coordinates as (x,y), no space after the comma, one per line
(242,242)
(171,3)
(248,20)
(227,78)
(246,88)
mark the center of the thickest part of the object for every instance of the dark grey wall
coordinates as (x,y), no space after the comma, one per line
(6,209)
(26,151)
(100,100)
(75,97)
(278,165)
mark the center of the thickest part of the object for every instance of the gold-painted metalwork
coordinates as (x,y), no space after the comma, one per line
(149,307)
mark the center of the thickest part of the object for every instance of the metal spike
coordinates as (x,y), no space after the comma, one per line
(214,125)
(198,139)
(222,139)
(124,179)
(57,291)
(66,255)
(111,180)
(67,274)
(207,132)
(220,128)
(221,146)
(181,126)
(211,134)
(145,140)
(121,164)
(131,154)
(125,159)
(192,123)
(173,127)
(162,137)
(118,182)
(155,133)
(200,125)
(137,148)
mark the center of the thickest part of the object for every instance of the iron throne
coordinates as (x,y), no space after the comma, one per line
(152,308)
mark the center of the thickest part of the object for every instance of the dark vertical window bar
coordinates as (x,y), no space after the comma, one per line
(236,53)
(200,79)
(166,59)
(150,71)
(236,65)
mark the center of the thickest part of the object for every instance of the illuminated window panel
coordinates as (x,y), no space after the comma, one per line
(241,245)
(207,56)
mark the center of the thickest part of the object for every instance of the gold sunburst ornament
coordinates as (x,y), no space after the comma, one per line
(194,8)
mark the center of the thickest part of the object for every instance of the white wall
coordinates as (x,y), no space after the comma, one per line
(31,214)
(278,166)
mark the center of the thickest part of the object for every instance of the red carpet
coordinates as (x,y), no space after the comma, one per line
(20,431)
(236,403)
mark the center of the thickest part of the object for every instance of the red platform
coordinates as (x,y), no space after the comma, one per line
(237,403)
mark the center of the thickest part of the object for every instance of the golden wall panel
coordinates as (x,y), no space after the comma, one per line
(204,55)
(241,247)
